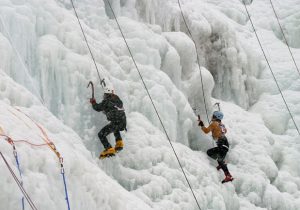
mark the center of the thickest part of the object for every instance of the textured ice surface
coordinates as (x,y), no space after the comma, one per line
(44,58)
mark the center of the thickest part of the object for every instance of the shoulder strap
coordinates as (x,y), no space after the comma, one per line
(223,128)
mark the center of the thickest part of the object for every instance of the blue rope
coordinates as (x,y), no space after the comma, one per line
(65,184)
(19,169)
(19,183)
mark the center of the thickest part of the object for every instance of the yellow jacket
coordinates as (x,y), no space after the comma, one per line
(217,128)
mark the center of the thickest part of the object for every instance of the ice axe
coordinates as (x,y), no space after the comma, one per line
(103,84)
(93,91)
(200,122)
(195,111)
(199,118)
(218,104)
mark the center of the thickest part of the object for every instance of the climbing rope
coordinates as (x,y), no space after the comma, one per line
(156,111)
(53,148)
(23,141)
(198,59)
(44,136)
(48,143)
(87,43)
(19,57)
(19,169)
(11,142)
(285,39)
(62,171)
(287,107)
(19,183)
(32,144)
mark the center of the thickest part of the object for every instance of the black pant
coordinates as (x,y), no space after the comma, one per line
(219,153)
(113,127)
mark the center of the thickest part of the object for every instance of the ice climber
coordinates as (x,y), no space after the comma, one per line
(218,133)
(112,107)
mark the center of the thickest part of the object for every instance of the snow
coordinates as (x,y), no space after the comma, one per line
(45,67)
(41,171)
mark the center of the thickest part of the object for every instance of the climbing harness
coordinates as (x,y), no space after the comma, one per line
(261,47)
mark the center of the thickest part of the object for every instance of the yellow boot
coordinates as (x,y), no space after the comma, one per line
(119,145)
(108,153)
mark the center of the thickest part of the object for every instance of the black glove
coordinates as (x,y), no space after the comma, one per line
(201,123)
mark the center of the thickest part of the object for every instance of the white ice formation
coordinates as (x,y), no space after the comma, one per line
(45,66)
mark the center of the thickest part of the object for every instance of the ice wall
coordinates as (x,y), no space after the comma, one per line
(58,67)
(63,66)
(147,168)
(229,50)
(271,105)
(88,186)
(222,50)
(288,17)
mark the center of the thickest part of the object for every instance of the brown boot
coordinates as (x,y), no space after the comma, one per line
(119,145)
(107,153)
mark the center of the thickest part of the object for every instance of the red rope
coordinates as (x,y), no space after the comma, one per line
(46,138)
(32,144)
(11,141)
